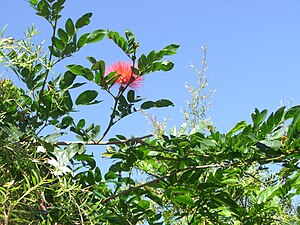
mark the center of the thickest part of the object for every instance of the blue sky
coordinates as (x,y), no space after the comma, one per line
(253,52)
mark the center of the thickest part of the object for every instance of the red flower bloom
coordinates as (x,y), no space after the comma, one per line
(126,76)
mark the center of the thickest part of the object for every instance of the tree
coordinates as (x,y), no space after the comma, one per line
(190,175)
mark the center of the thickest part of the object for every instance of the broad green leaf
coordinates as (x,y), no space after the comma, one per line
(83,21)
(67,80)
(95,36)
(131,96)
(91,59)
(184,199)
(80,124)
(33,2)
(87,73)
(279,115)
(239,126)
(55,51)
(292,112)
(63,36)
(82,40)
(163,103)
(66,121)
(148,105)
(70,28)
(97,174)
(76,69)
(86,97)
(58,43)
(258,117)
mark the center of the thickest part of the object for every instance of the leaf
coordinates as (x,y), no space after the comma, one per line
(80,124)
(33,2)
(184,199)
(148,105)
(237,127)
(76,69)
(130,96)
(279,115)
(163,103)
(63,36)
(70,28)
(86,97)
(84,20)
(58,43)
(258,117)
(95,36)
(87,73)
(67,80)
(82,40)
(54,51)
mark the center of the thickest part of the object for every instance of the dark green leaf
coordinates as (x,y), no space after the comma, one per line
(80,124)
(86,97)
(87,73)
(131,96)
(163,103)
(58,43)
(84,20)
(70,28)
(148,105)
(55,51)
(63,36)
(67,80)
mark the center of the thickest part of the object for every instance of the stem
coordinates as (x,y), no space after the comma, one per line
(116,98)
(54,26)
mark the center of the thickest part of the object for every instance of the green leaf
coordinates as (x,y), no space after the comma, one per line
(80,124)
(144,204)
(184,199)
(148,105)
(91,59)
(131,96)
(163,103)
(54,51)
(95,36)
(258,117)
(76,69)
(82,40)
(70,28)
(63,36)
(66,121)
(292,112)
(279,115)
(67,80)
(87,73)
(237,127)
(58,43)
(83,21)
(33,2)
(97,175)
(86,97)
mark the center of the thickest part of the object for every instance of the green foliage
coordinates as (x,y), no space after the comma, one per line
(190,176)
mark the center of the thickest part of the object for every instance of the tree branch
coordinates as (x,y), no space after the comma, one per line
(130,140)
(159,179)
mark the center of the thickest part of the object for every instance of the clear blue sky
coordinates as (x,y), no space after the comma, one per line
(253,54)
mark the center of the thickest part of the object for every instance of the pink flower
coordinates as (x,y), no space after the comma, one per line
(126,76)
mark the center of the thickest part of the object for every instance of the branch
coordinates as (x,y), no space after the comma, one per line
(130,140)
(159,179)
